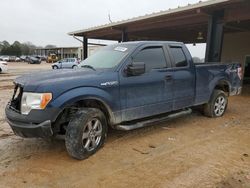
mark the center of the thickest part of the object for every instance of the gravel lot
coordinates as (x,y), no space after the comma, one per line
(192,151)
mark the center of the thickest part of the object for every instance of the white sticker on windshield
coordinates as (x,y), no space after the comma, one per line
(121,49)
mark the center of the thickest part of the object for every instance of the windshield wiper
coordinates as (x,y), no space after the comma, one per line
(88,66)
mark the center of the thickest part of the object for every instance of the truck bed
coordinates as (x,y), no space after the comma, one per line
(208,74)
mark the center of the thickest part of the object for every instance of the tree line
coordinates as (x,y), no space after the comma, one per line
(18,49)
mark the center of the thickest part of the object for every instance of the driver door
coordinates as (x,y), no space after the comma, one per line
(149,93)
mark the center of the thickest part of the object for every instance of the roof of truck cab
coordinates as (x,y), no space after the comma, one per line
(149,42)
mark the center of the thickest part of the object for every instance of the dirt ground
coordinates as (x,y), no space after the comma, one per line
(192,151)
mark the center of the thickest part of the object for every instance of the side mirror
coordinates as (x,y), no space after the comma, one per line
(136,68)
(59,62)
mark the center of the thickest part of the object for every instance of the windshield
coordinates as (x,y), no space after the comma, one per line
(106,58)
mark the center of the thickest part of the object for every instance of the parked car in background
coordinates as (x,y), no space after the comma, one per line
(43,58)
(12,58)
(27,58)
(3,66)
(67,63)
(5,58)
(17,59)
(23,58)
(33,60)
(38,57)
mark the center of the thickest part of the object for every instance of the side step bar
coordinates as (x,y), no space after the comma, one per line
(154,120)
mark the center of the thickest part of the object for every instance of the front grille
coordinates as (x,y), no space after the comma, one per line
(15,102)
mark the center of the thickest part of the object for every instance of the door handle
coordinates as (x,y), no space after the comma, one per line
(168,77)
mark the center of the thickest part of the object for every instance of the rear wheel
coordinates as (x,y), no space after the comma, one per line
(217,105)
(74,67)
(86,133)
(55,67)
(0,70)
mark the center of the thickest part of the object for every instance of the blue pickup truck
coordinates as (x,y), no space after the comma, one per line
(124,86)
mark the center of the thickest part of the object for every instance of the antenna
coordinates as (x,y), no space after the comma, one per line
(109,17)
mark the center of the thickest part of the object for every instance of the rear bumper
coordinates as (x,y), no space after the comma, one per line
(236,91)
(239,91)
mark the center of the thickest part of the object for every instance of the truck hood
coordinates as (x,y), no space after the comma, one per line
(51,76)
(58,81)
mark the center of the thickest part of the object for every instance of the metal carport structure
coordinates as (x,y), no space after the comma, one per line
(204,22)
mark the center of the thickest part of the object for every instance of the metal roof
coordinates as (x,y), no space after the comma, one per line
(153,15)
(58,48)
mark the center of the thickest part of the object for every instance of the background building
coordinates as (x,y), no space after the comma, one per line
(66,52)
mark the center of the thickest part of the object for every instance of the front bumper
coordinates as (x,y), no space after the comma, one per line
(42,130)
(36,124)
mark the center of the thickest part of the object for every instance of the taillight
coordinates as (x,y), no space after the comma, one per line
(240,73)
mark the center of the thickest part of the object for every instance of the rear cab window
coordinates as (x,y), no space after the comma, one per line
(178,56)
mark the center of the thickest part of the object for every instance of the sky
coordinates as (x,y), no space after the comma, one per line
(45,22)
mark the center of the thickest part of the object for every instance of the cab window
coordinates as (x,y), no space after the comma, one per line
(153,57)
(179,57)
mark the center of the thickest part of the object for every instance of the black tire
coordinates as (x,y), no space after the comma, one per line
(55,67)
(78,128)
(0,70)
(212,108)
(74,67)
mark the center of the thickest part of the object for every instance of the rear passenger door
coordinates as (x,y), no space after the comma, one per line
(183,77)
(150,93)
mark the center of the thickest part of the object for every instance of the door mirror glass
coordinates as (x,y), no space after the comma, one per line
(136,68)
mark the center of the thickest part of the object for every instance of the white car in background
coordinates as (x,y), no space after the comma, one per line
(5,58)
(3,66)
(67,63)
(17,59)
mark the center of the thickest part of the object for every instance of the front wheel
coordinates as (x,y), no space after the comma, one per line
(217,105)
(86,133)
(55,67)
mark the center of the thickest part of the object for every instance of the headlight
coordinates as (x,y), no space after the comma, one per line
(34,101)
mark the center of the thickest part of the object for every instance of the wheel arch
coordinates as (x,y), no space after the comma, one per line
(86,97)
(94,102)
(70,107)
(223,85)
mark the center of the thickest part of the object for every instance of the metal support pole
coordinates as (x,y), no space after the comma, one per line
(62,56)
(85,47)
(215,36)
(124,35)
